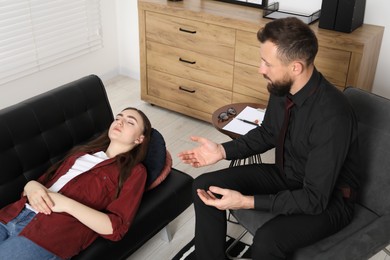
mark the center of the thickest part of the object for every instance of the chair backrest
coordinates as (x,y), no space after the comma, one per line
(373,114)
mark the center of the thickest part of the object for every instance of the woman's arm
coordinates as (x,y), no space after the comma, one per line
(94,219)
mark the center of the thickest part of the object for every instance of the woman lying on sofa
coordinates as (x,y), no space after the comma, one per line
(95,190)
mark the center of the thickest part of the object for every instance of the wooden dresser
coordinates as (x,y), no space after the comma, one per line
(199,55)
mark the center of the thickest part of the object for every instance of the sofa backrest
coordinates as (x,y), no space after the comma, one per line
(373,114)
(37,132)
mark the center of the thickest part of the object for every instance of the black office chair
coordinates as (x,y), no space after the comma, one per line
(369,231)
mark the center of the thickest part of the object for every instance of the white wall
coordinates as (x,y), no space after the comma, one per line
(128,38)
(104,63)
(376,13)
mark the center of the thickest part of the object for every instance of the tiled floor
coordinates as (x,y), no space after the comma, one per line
(176,129)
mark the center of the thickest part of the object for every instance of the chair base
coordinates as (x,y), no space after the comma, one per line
(255,159)
(238,239)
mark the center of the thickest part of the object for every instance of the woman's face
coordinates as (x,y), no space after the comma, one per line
(127,128)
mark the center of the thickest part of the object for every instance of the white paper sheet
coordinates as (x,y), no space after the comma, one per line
(250,114)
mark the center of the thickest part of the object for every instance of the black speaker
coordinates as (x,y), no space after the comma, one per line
(342,15)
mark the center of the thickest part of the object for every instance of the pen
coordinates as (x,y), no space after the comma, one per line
(248,122)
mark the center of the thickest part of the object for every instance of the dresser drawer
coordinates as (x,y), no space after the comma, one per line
(186,92)
(240,98)
(248,82)
(213,40)
(334,65)
(191,65)
(247,48)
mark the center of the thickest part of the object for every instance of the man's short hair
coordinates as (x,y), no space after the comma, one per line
(294,39)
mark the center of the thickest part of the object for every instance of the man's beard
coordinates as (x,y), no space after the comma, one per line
(279,88)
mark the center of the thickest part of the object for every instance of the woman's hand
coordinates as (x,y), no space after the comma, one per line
(38,197)
(206,153)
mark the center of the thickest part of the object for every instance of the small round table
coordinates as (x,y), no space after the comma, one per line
(218,124)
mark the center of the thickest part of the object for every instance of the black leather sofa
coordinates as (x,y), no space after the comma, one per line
(37,132)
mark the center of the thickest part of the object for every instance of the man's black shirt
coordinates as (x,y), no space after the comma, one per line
(320,152)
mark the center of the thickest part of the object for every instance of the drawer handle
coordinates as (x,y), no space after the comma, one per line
(187,61)
(187,90)
(187,31)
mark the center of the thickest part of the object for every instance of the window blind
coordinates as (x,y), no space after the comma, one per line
(37,34)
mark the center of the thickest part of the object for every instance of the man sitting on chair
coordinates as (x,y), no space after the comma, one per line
(311,186)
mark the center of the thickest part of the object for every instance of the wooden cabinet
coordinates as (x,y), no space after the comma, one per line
(198,55)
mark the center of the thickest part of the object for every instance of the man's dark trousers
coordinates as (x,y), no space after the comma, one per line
(279,237)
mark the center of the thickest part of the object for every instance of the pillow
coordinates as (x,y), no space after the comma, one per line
(155,157)
(164,173)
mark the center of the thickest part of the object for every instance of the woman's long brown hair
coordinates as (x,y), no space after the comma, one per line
(126,161)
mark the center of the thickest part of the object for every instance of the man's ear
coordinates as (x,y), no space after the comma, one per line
(297,67)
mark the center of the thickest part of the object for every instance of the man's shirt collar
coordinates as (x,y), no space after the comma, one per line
(311,86)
